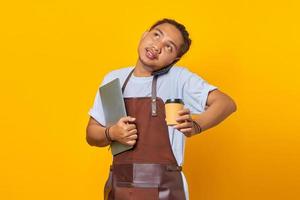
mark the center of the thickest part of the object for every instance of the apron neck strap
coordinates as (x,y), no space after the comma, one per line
(153,96)
(126,81)
(153,92)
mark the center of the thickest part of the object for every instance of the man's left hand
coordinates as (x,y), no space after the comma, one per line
(185,122)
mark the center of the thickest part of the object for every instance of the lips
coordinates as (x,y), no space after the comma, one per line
(151,54)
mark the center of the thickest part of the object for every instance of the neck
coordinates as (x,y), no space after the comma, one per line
(142,70)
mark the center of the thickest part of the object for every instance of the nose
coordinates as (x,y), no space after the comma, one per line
(157,47)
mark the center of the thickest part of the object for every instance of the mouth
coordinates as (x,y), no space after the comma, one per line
(151,54)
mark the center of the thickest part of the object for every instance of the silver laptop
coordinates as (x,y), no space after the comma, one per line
(114,109)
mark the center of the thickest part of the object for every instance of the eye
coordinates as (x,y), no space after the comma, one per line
(169,48)
(156,35)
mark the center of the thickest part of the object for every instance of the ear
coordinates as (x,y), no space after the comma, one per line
(176,60)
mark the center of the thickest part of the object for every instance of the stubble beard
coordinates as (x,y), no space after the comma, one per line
(146,66)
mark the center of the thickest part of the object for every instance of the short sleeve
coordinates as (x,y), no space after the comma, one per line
(96,111)
(195,92)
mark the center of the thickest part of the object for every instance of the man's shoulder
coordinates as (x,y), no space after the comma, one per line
(120,73)
(182,75)
(179,71)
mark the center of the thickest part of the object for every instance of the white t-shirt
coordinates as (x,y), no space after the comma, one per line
(179,82)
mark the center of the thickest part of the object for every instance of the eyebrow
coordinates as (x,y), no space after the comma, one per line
(168,40)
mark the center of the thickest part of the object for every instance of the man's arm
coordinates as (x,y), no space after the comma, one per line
(219,107)
(124,131)
(95,135)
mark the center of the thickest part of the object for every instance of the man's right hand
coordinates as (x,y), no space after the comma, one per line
(124,131)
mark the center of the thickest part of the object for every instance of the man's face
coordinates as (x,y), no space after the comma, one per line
(160,46)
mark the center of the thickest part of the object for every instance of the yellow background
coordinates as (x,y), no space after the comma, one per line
(54,54)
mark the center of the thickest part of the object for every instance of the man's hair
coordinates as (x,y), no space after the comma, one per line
(186,39)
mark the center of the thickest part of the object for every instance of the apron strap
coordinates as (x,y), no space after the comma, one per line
(126,81)
(153,96)
(153,92)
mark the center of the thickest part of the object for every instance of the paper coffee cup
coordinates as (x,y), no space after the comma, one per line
(172,106)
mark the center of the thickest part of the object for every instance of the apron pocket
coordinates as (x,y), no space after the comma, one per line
(136,193)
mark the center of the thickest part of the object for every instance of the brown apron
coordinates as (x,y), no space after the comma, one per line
(149,171)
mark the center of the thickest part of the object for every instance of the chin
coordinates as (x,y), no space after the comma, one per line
(147,63)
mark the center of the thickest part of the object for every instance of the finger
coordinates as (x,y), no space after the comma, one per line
(184,125)
(132,119)
(183,118)
(127,119)
(186,130)
(184,111)
(131,142)
(132,137)
(131,132)
(129,127)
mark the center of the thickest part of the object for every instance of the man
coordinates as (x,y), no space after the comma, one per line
(152,168)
